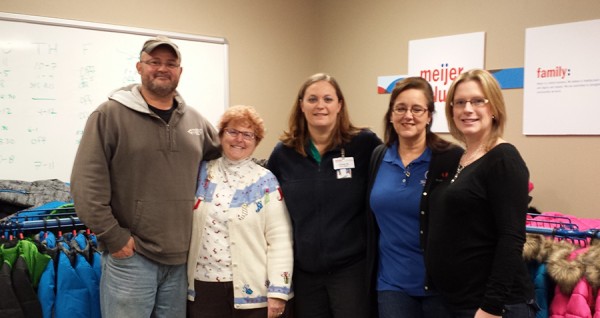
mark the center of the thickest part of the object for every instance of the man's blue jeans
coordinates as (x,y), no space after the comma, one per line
(138,287)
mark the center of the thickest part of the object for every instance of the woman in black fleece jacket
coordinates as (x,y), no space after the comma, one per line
(322,164)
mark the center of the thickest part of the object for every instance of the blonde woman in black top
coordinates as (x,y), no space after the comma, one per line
(477,220)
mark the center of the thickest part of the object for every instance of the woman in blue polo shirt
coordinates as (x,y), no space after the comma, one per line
(410,163)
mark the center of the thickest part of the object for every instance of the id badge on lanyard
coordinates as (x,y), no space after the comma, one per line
(343,166)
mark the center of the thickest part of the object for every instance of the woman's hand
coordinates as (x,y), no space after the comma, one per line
(275,307)
(482,314)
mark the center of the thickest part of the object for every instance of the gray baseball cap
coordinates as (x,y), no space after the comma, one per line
(153,43)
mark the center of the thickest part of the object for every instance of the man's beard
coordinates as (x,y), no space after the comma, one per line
(161,90)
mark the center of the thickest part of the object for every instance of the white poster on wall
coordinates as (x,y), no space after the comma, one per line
(562,79)
(440,60)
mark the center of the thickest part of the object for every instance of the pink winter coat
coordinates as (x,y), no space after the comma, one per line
(597,311)
(592,272)
(573,297)
(576,305)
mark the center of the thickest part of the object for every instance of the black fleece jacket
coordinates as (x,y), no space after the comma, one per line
(327,213)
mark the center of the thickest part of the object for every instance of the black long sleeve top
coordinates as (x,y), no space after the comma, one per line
(477,231)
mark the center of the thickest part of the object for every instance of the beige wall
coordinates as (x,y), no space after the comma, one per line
(276,44)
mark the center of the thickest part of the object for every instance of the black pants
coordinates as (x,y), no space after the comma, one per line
(339,294)
(524,310)
(215,300)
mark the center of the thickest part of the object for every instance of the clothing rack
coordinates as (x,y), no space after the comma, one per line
(594,233)
(559,227)
(62,266)
(35,220)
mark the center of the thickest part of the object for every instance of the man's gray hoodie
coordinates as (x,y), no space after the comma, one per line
(135,175)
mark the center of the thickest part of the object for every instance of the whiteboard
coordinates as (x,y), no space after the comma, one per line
(54,73)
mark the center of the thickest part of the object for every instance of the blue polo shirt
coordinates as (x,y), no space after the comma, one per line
(395,199)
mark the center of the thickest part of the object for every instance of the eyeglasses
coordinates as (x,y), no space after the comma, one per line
(246,135)
(417,111)
(157,64)
(475,102)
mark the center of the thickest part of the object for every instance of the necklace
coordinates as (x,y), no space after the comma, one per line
(458,170)
(467,160)
(410,154)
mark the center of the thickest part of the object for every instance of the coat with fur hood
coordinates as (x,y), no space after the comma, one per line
(535,253)
(591,259)
(576,273)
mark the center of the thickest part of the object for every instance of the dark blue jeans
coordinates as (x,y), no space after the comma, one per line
(396,304)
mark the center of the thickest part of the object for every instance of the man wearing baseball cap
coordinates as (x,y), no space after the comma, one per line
(133,184)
